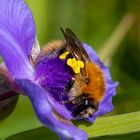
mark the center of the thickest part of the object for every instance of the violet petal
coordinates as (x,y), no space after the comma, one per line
(66,131)
(17,35)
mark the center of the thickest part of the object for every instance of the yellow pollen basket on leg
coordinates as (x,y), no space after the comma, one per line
(76,65)
(64,55)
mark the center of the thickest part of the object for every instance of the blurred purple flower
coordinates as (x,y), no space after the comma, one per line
(18,49)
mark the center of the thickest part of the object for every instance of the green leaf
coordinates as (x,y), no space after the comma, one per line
(41,133)
(131,136)
(114,125)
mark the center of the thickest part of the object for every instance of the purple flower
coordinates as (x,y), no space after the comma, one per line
(44,77)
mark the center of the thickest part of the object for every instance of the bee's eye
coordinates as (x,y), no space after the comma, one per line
(86,102)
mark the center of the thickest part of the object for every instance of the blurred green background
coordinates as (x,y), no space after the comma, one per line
(112,27)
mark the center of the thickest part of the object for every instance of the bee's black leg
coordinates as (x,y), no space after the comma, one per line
(69,86)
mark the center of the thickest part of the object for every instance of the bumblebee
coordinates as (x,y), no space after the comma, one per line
(87,86)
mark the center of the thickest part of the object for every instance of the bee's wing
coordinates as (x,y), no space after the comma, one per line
(75,46)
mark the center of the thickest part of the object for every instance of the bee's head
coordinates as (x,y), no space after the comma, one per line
(84,109)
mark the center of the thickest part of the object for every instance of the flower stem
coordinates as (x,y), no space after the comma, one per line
(112,43)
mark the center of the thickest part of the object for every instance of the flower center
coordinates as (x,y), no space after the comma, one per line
(54,75)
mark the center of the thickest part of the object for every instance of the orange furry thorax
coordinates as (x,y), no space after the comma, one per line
(96,86)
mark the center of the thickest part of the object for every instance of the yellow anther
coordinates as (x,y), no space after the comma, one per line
(64,55)
(75,64)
